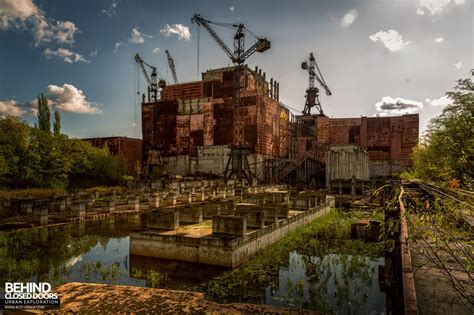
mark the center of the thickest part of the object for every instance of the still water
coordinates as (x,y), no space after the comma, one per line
(98,252)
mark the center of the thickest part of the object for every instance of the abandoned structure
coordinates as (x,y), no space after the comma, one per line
(191,125)
(129,149)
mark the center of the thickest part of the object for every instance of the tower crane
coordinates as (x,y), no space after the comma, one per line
(312,93)
(237,165)
(152,80)
(172,67)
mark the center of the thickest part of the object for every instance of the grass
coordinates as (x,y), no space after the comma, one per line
(326,235)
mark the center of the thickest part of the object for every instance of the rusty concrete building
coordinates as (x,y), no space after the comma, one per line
(191,128)
(130,149)
(389,141)
(191,125)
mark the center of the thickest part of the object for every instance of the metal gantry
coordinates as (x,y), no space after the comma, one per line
(312,93)
(237,164)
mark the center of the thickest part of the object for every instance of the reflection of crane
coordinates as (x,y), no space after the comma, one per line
(172,67)
(312,93)
(238,161)
(152,80)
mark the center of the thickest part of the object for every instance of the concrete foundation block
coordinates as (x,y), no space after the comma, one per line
(133,203)
(229,225)
(163,220)
(255,219)
(78,209)
(154,202)
(26,208)
(41,213)
(190,215)
(109,205)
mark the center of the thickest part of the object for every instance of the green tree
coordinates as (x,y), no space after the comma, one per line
(44,114)
(447,151)
(57,123)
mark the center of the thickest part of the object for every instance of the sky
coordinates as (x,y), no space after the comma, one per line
(378,57)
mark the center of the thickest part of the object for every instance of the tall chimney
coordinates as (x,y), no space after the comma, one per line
(271,87)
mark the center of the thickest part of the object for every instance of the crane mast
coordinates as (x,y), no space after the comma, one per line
(172,66)
(312,93)
(237,164)
(152,80)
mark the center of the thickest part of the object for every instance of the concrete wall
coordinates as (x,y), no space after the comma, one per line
(343,162)
(219,251)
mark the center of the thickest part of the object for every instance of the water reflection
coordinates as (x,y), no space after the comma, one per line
(92,251)
(337,283)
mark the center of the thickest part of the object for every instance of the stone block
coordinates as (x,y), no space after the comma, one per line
(163,220)
(154,201)
(109,205)
(41,212)
(133,203)
(190,215)
(229,225)
(255,219)
(78,209)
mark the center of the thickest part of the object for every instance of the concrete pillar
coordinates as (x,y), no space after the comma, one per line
(68,202)
(221,193)
(60,205)
(90,202)
(340,187)
(230,192)
(133,203)
(229,225)
(353,185)
(163,219)
(109,205)
(78,209)
(41,212)
(26,207)
(154,201)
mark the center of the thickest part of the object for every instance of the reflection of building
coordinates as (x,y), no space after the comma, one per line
(129,149)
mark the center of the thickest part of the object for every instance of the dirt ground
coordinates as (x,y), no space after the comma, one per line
(87,298)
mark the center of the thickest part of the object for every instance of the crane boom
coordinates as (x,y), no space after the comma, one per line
(312,93)
(152,80)
(172,66)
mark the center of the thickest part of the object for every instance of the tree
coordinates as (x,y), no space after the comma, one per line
(447,152)
(57,123)
(44,114)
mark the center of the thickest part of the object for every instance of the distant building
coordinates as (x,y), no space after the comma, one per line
(129,149)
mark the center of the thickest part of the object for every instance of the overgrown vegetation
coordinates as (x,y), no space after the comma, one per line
(327,235)
(446,153)
(33,157)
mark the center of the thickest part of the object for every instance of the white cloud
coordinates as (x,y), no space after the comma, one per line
(25,15)
(180,30)
(420,11)
(442,101)
(458,65)
(434,6)
(439,39)
(67,55)
(391,39)
(11,107)
(349,18)
(232,9)
(390,106)
(110,10)
(70,99)
(138,38)
(156,50)
(94,53)
(117,46)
